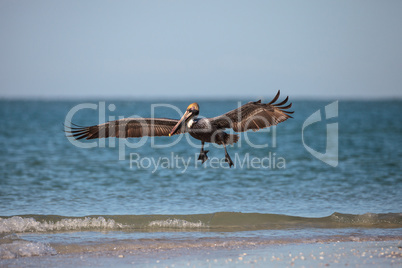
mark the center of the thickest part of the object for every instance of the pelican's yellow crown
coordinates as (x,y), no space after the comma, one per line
(193,106)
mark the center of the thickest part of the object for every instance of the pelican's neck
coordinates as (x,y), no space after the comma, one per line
(191,121)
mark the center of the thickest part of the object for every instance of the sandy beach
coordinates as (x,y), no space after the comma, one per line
(335,254)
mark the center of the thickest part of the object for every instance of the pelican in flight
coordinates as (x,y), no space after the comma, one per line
(253,115)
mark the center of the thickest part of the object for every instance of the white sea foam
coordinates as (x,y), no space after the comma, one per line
(18,224)
(25,249)
(176,223)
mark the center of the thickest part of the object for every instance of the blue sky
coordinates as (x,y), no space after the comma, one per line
(209,49)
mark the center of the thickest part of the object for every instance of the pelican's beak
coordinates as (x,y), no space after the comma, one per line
(184,118)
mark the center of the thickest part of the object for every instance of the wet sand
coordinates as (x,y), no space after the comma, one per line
(335,254)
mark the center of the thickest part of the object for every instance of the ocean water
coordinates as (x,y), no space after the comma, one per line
(58,197)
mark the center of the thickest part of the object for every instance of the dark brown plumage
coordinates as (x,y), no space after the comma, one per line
(253,115)
(126,128)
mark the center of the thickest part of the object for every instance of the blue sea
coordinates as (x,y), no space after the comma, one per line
(333,172)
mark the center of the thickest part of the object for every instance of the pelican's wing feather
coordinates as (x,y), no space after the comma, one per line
(254,115)
(126,128)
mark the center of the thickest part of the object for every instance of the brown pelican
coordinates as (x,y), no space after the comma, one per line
(253,115)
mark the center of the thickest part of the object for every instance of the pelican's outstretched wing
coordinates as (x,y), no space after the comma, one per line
(126,128)
(254,115)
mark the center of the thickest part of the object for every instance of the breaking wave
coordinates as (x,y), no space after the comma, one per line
(176,223)
(220,221)
(18,224)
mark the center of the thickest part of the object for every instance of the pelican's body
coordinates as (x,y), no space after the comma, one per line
(253,115)
(205,131)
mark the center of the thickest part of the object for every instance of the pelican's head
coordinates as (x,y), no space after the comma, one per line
(194,109)
(191,113)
